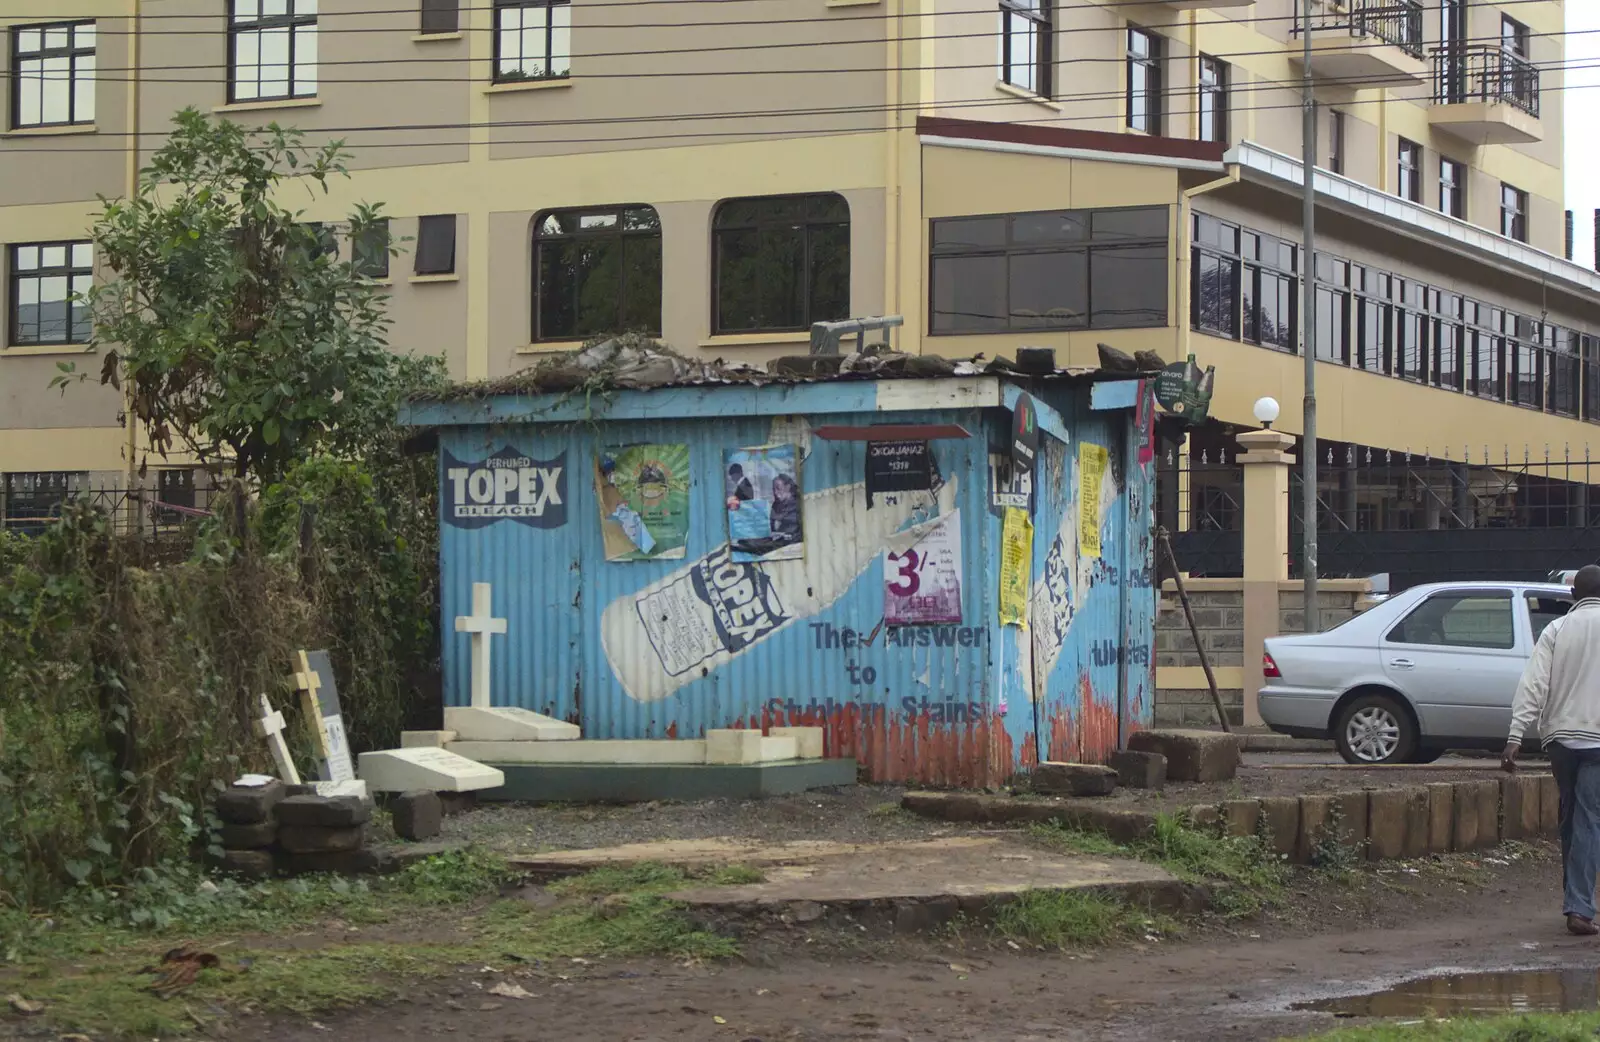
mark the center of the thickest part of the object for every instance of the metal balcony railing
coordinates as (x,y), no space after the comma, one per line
(1484,72)
(1395,22)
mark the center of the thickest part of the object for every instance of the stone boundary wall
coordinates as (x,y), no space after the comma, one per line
(1182,697)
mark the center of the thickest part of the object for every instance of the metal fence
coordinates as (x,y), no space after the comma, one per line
(1486,73)
(142,512)
(1200,501)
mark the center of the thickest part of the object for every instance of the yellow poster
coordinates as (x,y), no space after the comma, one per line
(1092,461)
(1016,559)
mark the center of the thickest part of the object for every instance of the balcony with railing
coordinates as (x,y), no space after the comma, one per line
(1205,5)
(1485,94)
(1365,43)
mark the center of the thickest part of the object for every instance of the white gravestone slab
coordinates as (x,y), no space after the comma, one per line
(319,699)
(436,770)
(270,727)
(506,724)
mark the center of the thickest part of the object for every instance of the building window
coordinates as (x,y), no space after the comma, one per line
(1513,213)
(1333,309)
(1271,301)
(48,282)
(1026,46)
(782,263)
(33,499)
(1336,141)
(369,250)
(1213,101)
(1050,270)
(436,245)
(1513,36)
(1374,329)
(1144,81)
(272,50)
(1215,289)
(596,271)
(532,40)
(1452,188)
(441,16)
(52,75)
(1408,173)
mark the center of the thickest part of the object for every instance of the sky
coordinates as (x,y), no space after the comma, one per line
(1583,122)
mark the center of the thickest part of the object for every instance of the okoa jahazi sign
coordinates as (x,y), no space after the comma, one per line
(507,486)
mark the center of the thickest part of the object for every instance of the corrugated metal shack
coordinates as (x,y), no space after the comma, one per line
(716,546)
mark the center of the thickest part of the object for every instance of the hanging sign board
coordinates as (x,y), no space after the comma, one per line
(898,466)
(1185,391)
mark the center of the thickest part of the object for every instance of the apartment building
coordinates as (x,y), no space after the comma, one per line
(1000,172)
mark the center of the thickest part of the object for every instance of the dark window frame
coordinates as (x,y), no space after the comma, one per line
(371,257)
(291,20)
(618,232)
(1213,99)
(1513,212)
(1514,36)
(425,262)
(1409,158)
(72,52)
(500,75)
(1011,248)
(71,271)
(440,18)
(1336,141)
(1148,65)
(809,228)
(1458,596)
(1452,188)
(1041,27)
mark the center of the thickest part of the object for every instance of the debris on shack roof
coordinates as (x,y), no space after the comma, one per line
(636,362)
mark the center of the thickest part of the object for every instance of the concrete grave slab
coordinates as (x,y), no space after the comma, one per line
(426,739)
(1192,756)
(589,751)
(807,740)
(506,724)
(733,746)
(1136,770)
(351,787)
(436,770)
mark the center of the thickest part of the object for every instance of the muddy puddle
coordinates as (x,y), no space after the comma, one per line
(1502,991)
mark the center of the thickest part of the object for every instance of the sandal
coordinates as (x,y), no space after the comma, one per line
(1577,924)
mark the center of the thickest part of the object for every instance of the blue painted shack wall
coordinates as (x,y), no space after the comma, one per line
(967,704)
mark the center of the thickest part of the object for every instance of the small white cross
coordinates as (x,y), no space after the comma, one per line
(271,727)
(481,623)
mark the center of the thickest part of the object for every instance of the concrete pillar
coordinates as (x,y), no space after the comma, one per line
(1265,462)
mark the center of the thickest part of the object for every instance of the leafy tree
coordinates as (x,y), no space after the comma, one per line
(230,324)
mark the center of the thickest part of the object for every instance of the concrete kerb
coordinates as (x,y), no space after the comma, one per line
(1374,824)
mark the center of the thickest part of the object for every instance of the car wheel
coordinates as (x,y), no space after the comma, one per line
(1375,729)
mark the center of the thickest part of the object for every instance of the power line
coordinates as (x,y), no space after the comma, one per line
(936,107)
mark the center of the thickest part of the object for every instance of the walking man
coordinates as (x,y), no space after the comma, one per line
(1560,693)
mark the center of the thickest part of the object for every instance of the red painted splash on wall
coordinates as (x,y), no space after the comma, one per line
(908,747)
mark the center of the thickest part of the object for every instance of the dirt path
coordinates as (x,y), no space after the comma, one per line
(799,986)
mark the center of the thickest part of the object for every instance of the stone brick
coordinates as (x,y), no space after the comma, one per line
(1168,715)
(249,864)
(417,815)
(1353,820)
(324,812)
(1224,640)
(1486,802)
(1314,814)
(1206,817)
(1465,834)
(1208,618)
(1282,817)
(1386,824)
(1519,802)
(1419,821)
(249,837)
(458,802)
(316,839)
(335,862)
(1194,756)
(1549,805)
(1074,779)
(1240,817)
(246,805)
(1137,770)
(1441,817)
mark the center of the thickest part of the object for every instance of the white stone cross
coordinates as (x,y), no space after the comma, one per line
(481,624)
(271,727)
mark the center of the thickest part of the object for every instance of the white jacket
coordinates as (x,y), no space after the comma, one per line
(1560,689)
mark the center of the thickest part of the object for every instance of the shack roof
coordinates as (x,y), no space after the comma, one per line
(617,379)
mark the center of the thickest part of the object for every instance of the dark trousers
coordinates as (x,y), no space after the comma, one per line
(1577,774)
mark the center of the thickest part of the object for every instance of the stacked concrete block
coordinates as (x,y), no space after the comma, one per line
(1074,779)
(1192,756)
(249,829)
(275,828)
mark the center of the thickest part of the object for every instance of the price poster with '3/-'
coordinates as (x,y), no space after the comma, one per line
(922,585)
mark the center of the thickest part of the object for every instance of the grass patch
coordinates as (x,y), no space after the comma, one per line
(1566,1027)
(1068,919)
(288,946)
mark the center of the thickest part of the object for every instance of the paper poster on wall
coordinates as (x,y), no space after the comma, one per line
(643,492)
(762,489)
(922,585)
(1092,460)
(1016,556)
(1145,421)
(898,466)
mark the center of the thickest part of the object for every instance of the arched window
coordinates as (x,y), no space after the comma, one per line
(781,263)
(596,271)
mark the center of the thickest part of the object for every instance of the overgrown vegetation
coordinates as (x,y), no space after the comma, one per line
(1069,919)
(357,941)
(1565,1027)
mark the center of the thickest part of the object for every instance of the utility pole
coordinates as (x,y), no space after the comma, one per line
(1308,340)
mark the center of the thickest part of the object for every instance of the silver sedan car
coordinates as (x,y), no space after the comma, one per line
(1432,668)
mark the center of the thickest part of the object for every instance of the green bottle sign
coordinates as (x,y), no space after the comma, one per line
(1185,391)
